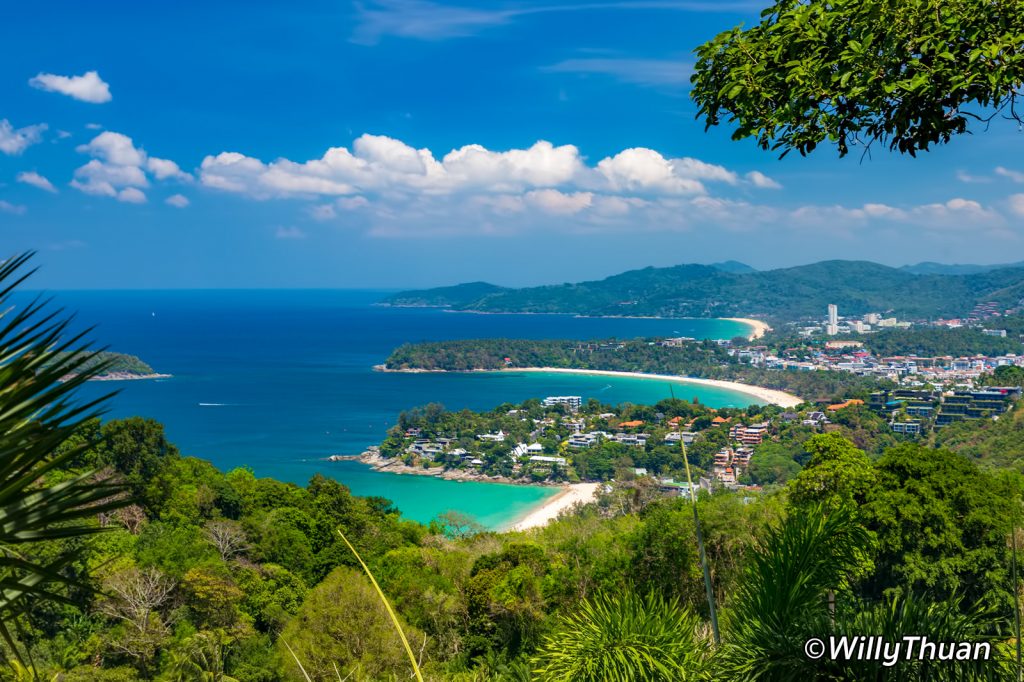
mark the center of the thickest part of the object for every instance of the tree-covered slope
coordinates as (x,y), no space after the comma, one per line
(857,287)
(116,363)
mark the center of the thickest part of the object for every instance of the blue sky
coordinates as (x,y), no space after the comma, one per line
(399,143)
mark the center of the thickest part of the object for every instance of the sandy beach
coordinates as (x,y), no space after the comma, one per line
(767,395)
(557,503)
(760,328)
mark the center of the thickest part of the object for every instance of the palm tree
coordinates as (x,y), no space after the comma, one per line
(782,603)
(622,637)
(41,366)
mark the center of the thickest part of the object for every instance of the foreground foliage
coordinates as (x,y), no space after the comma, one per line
(908,75)
(40,502)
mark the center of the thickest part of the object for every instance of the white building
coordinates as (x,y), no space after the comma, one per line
(833,320)
(573,402)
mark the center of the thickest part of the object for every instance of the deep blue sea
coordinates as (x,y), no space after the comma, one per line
(279,380)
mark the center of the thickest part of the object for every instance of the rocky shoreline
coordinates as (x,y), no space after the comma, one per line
(120,376)
(372,457)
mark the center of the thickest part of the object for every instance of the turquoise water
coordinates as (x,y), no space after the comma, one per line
(279,380)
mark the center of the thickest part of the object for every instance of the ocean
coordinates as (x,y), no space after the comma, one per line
(279,380)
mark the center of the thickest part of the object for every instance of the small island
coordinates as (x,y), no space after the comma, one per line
(117,367)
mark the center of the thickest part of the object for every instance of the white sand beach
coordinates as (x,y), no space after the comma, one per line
(760,328)
(557,503)
(767,395)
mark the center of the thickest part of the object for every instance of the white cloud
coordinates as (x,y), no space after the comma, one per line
(954,214)
(15,141)
(131,195)
(36,180)
(114,148)
(8,207)
(762,181)
(105,179)
(554,202)
(119,169)
(177,201)
(696,169)
(645,170)
(289,233)
(163,169)
(88,87)
(387,165)
(958,213)
(1016,176)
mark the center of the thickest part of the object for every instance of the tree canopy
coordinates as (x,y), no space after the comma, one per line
(908,74)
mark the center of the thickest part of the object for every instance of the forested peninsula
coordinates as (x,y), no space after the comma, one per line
(695,359)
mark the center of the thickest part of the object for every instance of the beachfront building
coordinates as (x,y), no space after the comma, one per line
(573,402)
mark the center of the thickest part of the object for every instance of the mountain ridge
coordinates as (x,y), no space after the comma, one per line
(695,290)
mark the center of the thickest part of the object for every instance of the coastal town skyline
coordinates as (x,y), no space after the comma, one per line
(407,143)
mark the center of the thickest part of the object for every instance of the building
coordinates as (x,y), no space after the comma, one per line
(909,428)
(573,402)
(832,328)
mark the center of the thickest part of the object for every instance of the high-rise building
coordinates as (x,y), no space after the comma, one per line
(833,320)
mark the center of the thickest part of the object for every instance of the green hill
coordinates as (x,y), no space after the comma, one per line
(117,363)
(857,287)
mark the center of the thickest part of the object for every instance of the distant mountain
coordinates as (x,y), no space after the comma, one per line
(857,287)
(733,266)
(458,296)
(930,268)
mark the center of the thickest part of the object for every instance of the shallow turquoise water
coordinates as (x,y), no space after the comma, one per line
(279,380)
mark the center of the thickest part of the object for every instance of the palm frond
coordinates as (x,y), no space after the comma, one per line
(622,637)
(42,366)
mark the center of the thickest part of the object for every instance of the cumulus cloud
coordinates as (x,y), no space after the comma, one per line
(131,195)
(379,163)
(645,170)
(762,181)
(14,141)
(177,201)
(114,148)
(88,87)
(105,179)
(36,180)
(8,207)
(388,167)
(163,169)
(119,169)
